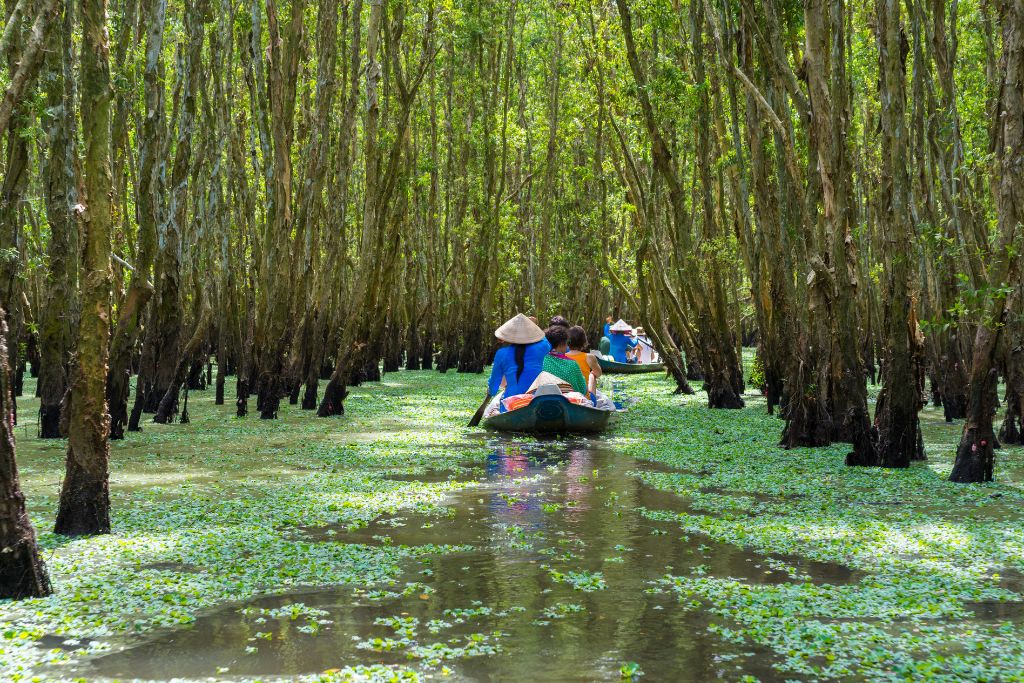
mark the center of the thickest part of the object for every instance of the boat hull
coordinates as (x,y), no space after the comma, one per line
(551,415)
(615,368)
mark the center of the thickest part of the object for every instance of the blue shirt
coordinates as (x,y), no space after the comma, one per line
(505,367)
(608,330)
(620,342)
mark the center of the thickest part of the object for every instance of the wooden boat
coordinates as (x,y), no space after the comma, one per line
(615,368)
(551,414)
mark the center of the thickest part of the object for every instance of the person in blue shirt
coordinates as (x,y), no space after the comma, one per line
(621,341)
(517,365)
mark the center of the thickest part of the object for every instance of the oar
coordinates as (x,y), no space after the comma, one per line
(475,420)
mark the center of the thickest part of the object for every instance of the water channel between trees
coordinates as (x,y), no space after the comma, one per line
(554,575)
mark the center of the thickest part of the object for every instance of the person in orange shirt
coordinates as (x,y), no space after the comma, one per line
(588,363)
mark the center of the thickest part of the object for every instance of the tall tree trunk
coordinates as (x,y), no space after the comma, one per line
(896,417)
(715,342)
(275,297)
(59,317)
(366,309)
(1012,430)
(85,497)
(825,61)
(974,456)
(23,71)
(132,311)
(164,333)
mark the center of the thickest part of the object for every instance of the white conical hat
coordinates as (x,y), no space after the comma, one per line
(621,326)
(547,379)
(519,330)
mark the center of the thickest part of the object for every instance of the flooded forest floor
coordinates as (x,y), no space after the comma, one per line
(395,544)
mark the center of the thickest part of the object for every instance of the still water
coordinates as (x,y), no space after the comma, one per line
(557,573)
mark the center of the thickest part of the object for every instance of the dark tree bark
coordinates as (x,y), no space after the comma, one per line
(974,456)
(276,117)
(1012,429)
(59,317)
(721,373)
(192,353)
(85,497)
(22,572)
(827,82)
(896,417)
(164,332)
(366,310)
(132,311)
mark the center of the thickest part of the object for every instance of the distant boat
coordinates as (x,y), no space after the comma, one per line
(615,368)
(551,414)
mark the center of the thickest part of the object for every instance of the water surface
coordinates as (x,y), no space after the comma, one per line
(556,570)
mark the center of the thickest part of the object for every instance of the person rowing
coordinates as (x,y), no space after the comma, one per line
(516,365)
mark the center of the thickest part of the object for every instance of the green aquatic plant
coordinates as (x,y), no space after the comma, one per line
(856,574)
(630,671)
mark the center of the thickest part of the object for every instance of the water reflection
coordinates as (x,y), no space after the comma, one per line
(562,564)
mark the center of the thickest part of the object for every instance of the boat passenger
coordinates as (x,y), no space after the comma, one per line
(589,365)
(560,321)
(645,349)
(559,364)
(517,365)
(621,342)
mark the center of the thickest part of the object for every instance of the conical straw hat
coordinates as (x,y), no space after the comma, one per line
(548,379)
(621,326)
(519,330)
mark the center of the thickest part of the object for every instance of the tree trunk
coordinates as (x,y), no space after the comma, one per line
(825,60)
(58,318)
(84,497)
(132,311)
(896,418)
(367,307)
(275,119)
(1012,430)
(974,456)
(23,73)
(164,333)
(22,572)
(190,354)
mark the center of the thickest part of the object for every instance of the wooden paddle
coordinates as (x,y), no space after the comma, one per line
(475,420)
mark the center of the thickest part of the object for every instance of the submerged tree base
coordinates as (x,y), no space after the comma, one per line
(84,502)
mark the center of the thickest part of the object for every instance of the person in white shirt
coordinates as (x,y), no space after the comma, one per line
(644,349)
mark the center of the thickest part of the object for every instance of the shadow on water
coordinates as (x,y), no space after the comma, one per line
(560,561)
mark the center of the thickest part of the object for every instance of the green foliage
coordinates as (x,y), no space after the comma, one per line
(756,374)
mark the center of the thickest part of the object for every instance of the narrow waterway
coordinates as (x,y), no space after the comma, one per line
(555,579)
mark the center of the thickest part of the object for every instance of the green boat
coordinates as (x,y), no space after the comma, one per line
(551,414)
(615,368)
